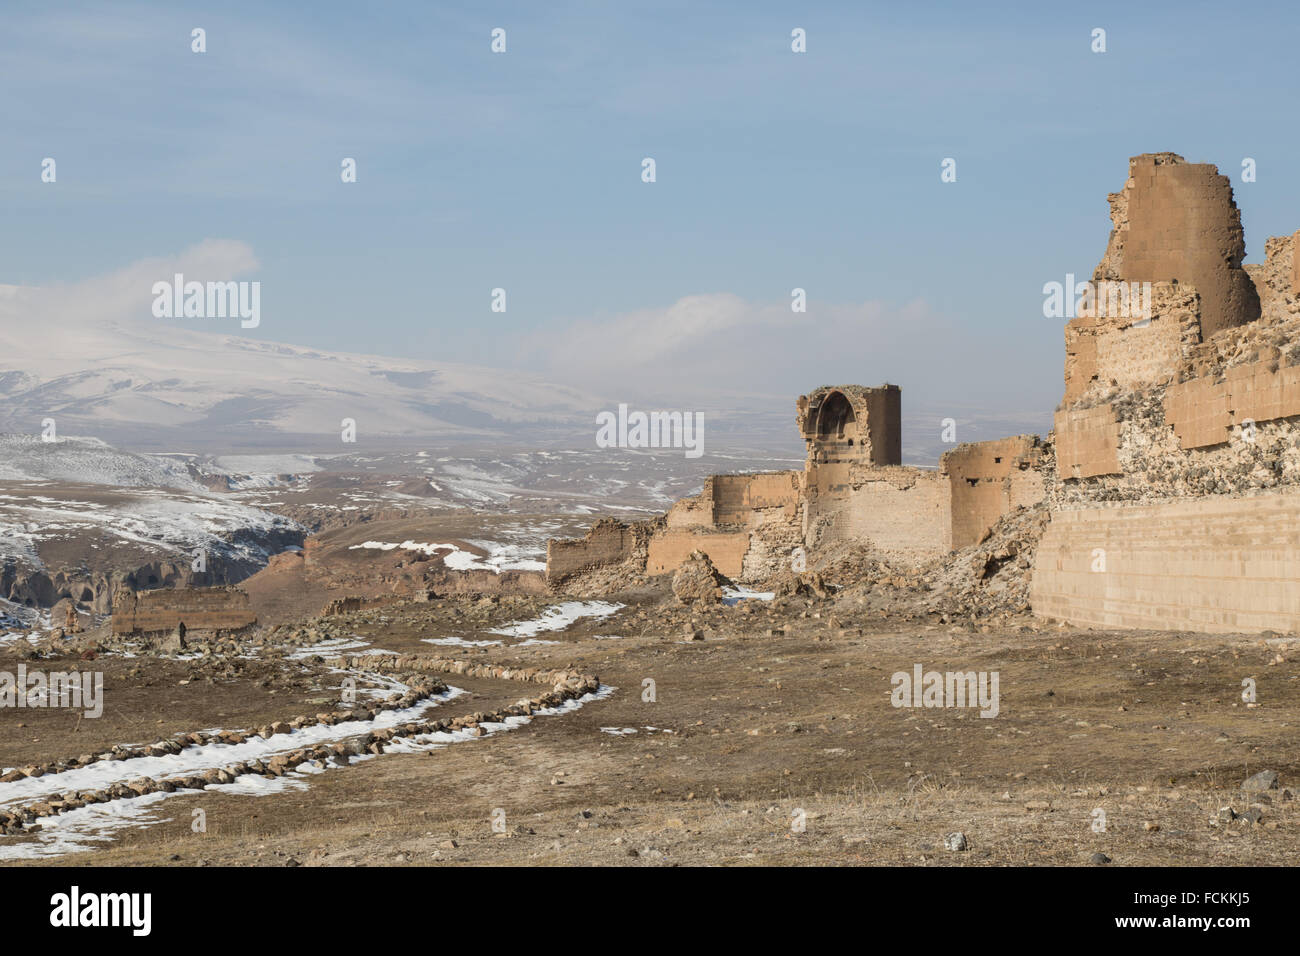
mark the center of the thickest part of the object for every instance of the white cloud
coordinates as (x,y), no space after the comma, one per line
(124,295)
(718,343)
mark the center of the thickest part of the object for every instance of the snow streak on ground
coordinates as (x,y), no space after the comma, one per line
(558,618)
(500,557)
(81,829)
(201,757)
(629,731)
(734,594)
(458,642)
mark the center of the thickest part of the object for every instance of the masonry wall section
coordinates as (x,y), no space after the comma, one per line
(988,480)
(906,513)
(199,609)
(1212,564)
(607,542)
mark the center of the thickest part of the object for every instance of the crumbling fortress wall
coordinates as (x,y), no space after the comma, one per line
(853,489)
(1172,475)
(200,610)
(1177,504)
(1177,220)
(739,521)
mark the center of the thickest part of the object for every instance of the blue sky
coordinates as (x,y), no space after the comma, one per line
(522,170)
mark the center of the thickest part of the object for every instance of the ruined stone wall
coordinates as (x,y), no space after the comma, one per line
(746,524)
(1226,421)
(1087,442)
(693,512)
(607,542)
(905,513)
(1277,279)
(1215,564)
(199,609)
(1177,220)
(752,525)
(990,479)
(1177,503)
(747,499)
(726,549)
(1108,352)
(484,581)
(729,514)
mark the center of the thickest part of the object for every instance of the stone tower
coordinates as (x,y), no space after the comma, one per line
(1177,220)
(851,424)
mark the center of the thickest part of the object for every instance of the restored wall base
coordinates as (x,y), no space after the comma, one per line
(1210,564)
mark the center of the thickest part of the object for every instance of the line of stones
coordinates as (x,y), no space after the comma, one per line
(14,820)
(566,685)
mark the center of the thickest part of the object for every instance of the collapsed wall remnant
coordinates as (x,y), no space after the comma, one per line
(1176,220)
(990,479)
(198,610)
(607,542)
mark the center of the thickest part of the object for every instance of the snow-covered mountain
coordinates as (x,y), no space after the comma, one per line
(89,461)
(148,384)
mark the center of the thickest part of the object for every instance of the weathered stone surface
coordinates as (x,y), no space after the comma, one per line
(199,609)
(698,581)
(852,490)
(1264,780)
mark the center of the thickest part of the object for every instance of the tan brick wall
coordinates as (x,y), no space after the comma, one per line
(1213,564)
(904,512)
(693,512)
(607,542)
(1087,442)
(725,549)
(740,499)
(989,479)
(199,609)
(1027,488)
(1102,353)
(1198,412)
(1182,224)
(1203,411)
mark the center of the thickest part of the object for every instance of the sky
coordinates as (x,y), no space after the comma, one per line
(522,170)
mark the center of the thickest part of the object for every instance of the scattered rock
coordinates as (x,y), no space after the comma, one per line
(1264,780)
(697,581)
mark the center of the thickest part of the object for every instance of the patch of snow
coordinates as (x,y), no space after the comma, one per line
(458,642)
(559,618)
(82,829)
(734,594)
